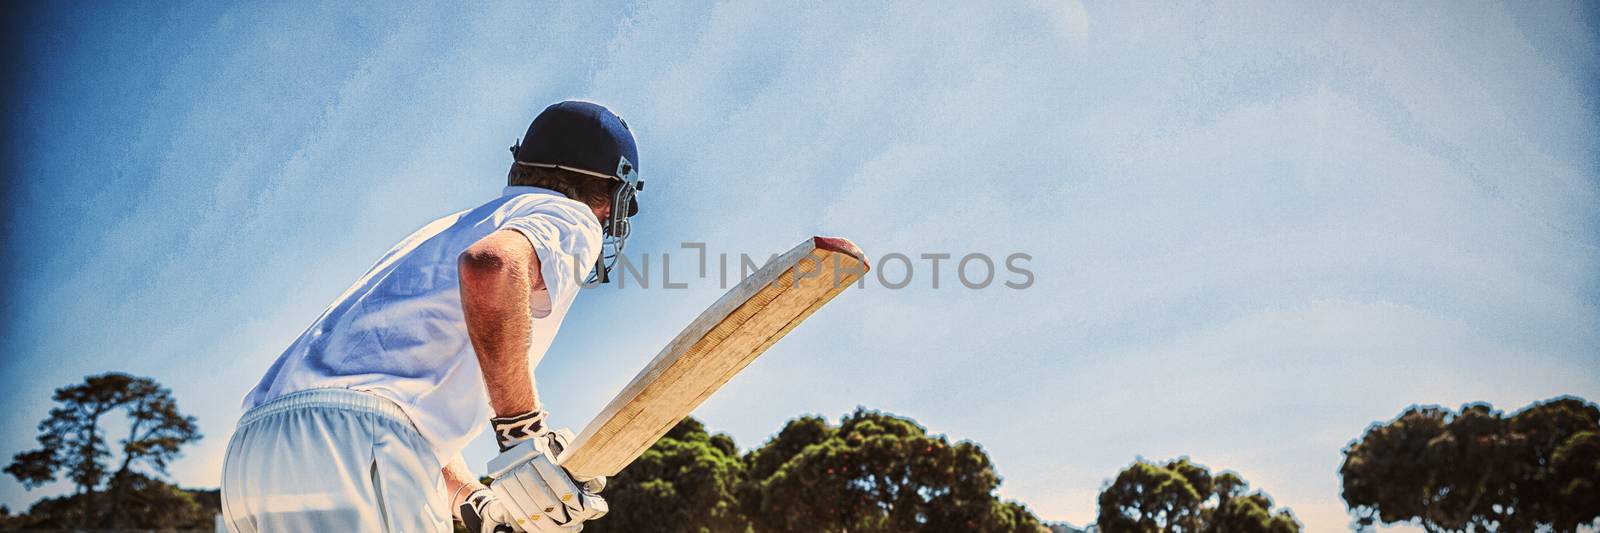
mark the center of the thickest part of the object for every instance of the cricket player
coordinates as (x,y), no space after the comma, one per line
(360,424)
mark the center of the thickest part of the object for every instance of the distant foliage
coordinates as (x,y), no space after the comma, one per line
(683,483)
(1479,470)
(1180,496)
(72,442)
(150,504)
(874,472)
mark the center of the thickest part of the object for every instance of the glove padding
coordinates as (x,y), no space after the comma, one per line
(483,512)
(540,495)
(510,430)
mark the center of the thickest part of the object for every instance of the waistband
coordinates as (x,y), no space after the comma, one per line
(347,399)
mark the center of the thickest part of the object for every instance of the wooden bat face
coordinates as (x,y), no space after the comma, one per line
(719,343)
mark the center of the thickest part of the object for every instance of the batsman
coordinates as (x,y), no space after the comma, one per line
(359,425)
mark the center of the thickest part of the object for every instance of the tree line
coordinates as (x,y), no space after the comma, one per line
(880,472)
(1475,469)
(73,445)
(1479,469)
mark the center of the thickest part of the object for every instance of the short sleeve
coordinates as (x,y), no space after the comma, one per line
(567,240)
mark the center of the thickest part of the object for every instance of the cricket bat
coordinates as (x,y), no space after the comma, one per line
(713,348)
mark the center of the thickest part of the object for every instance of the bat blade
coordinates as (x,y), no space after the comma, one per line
(719,343)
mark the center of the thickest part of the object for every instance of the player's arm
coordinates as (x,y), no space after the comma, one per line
(474,504)
(459,482)
(498,276)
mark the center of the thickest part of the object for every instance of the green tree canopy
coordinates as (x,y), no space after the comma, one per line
(149,504)
(1479,470)
(1181,496)
(684,482)
(875,472)
(72,441)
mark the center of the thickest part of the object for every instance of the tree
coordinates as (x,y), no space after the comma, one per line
(684,482)
(1181,496)
(763,463)
(875,472)
(150,503)
(1240,511)
(72,441)
(1477,469)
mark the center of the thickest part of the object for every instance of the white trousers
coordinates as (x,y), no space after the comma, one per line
(331,460)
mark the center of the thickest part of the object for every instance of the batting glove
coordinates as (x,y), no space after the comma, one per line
(512,430)
(541,495)
(484,513)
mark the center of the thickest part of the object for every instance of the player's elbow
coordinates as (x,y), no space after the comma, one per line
(503,260)
(481,265)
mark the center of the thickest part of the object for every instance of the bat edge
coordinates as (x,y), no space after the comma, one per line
(843,246)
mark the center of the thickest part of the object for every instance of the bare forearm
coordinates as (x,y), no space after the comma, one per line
(459,482)
(498,276)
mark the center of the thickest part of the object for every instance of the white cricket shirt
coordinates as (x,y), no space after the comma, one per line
(399,331)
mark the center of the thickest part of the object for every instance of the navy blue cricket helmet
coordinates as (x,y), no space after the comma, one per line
(587,138)
(583,137)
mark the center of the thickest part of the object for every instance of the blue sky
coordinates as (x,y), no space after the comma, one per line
(1256,228)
